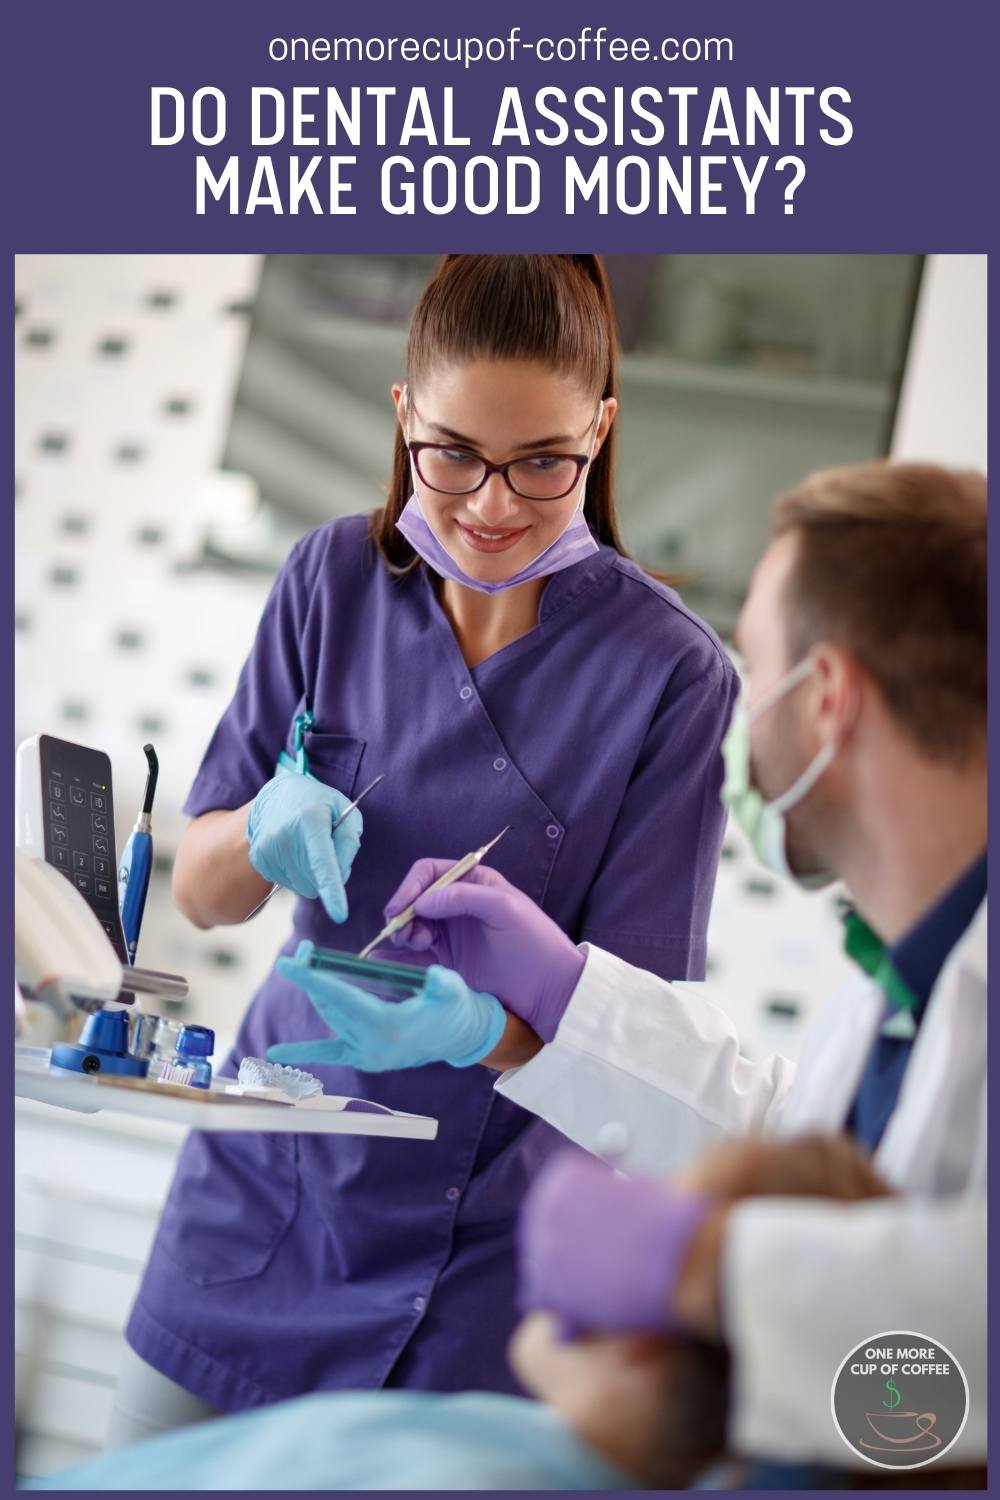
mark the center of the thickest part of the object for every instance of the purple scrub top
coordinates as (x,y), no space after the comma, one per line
(285,1264)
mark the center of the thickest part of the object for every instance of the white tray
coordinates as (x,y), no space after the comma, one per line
(66,1090)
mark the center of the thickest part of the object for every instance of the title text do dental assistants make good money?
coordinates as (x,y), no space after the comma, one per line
(799,117)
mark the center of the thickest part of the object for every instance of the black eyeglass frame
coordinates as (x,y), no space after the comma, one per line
(581,460)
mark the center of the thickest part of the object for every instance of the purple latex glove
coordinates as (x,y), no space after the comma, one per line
(602,1252)
(495,937)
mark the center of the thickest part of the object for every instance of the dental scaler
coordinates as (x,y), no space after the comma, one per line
(137,861)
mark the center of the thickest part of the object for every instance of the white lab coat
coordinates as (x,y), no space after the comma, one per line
(804,1280)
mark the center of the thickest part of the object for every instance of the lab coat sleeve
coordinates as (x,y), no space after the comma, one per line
(650,899)
(632,1050)
(252,732)
(804,1282)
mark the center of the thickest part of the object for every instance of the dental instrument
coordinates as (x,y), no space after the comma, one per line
(301,767)
(405,917)
(137,861)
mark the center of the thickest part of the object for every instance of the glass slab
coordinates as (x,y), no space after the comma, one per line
(386,980)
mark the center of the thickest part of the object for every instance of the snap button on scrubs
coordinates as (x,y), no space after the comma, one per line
(287,1264)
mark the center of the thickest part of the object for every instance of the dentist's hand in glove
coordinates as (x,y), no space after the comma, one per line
(447,1022)
(289,832)
(495,937)
(604,1253)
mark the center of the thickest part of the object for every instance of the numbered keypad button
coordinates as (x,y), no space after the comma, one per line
(81,862)
(60,858)
(102,866)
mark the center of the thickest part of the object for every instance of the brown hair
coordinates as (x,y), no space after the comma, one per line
(891,565)
(556,309)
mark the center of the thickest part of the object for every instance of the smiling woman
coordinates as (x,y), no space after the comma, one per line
(520,358)
(483,641)
(528,508)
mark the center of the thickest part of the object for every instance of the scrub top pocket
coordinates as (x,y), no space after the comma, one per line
(334,758)
(206,1229)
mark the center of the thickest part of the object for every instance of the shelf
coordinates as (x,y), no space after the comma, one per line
(799,388)
(72,1091)
(802,388)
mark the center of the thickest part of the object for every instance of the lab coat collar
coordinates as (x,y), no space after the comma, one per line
(926,1140)
(947,1044)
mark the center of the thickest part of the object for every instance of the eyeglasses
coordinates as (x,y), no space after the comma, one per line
(451,470)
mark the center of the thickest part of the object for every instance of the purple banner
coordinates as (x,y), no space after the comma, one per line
(777,126)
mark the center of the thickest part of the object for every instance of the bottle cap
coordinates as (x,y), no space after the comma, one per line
(196,1041)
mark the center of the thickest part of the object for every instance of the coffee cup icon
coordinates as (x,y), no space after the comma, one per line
(901,1432)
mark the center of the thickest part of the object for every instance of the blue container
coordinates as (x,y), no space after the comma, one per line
(195,1045)
(102,1048)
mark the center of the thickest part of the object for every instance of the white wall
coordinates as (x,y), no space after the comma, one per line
(125,370)
(942,407)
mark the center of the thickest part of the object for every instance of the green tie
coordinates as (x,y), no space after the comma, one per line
(870,953)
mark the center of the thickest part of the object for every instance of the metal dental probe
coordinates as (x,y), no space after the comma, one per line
(401,919)
(333,828)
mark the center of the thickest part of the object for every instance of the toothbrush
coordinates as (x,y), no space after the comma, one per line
(137,861)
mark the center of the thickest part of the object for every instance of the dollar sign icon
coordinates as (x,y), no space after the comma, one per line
(896,1396)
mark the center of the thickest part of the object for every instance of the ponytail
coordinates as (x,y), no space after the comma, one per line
(556,310)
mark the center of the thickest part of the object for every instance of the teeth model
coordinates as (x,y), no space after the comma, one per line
(257,1073)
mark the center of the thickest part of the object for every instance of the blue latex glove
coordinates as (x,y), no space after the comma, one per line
(446,1022)
(288,829)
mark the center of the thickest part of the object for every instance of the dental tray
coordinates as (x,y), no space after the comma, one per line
(211,1109)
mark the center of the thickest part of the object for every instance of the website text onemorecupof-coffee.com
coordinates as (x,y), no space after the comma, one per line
(590,44)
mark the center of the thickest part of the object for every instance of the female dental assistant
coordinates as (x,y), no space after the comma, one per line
(485,644)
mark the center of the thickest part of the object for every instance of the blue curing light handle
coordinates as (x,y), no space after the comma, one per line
(133,883)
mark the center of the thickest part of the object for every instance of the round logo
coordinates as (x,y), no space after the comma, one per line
(900,1400)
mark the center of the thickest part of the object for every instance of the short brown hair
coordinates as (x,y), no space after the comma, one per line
(891,566)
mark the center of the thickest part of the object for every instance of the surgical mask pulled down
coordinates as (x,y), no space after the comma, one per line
(572,545)
(764,823)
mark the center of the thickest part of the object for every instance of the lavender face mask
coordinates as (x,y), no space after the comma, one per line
(572,545)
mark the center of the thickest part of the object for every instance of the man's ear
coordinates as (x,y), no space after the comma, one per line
(839,685)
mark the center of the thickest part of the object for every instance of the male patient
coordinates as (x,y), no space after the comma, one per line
(614,1413)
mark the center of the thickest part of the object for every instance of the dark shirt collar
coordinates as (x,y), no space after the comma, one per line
(909,969)
(920,954)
